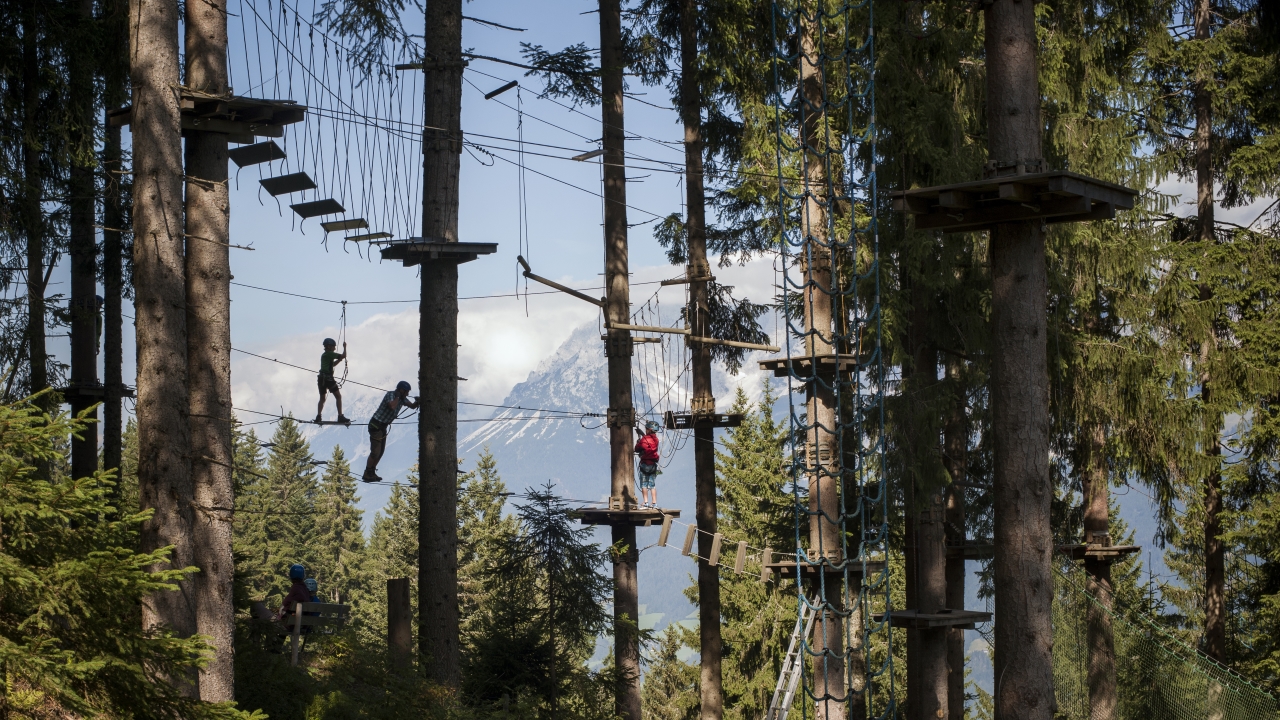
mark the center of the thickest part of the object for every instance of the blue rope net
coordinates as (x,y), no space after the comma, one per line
(823,100)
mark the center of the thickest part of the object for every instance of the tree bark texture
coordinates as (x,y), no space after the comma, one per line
(955,457)
(1019,385)
(927,657)
(626,590)
(32,213)
(208,222)
(1103,698)
(115,94)
(1215,617)
(438,349)
(164,441)
(704,402)
(822,455)
(83,249)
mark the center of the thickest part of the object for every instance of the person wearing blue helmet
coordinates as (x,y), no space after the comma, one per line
(298,592)
(378,424)
(647,449)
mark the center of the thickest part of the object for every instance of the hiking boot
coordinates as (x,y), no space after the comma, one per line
(344,419)
(319,419)
(370,477)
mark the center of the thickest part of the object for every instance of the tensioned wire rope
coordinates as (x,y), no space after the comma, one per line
(815,39)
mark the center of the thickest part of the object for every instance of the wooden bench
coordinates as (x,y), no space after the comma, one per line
(313,615)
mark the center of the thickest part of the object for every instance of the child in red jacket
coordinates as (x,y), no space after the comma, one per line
(647,449)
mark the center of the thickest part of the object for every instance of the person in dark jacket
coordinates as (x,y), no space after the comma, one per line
(298,592)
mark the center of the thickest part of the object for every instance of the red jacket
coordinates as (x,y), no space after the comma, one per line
(647,446)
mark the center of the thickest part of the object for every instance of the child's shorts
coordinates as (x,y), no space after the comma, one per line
(648,475)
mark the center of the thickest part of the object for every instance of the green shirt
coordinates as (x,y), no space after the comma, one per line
(326,362)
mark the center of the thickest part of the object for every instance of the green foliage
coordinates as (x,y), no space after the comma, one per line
(339,536)
(275,511)
(547,606)
(670,690)
(71,583)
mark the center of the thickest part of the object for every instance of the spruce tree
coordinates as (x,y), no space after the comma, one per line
(392,552)
(482,531)
(339,537)
(74,583)
(670,690)
(277,512)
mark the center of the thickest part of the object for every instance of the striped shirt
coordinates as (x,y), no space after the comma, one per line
(389,408)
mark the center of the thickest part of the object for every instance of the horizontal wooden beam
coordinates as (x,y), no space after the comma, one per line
(648,328)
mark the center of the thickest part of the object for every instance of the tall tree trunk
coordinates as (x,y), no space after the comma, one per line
(1103,700)
(822,455)
(208,215)
(1215,617)
(438,349)
(115,94)
(1019,384)
(83,250)
(955,435)
(704,402)
(164,440)
(626,601)
(32,213)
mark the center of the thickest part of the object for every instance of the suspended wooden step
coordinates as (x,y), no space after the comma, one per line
(285,184)
(256,154)
(368,236)
(316,208)
(353,224)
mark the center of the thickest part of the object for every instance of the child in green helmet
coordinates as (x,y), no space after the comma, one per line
(325,380)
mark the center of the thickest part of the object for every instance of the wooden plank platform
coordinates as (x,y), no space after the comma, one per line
(640,516)
(247,155)
(972,550)
(802,366)
(786,569)
(285,184)
(416,250)
(352,224)
(916,620)
(90,392)
(1080,551)
(688,421)
(1054,197)
(241,118)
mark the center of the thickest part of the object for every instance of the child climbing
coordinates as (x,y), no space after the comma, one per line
(325,380)
(378,424)
(647,449)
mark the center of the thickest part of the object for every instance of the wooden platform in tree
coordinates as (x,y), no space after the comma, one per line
(240,118)
(786,569)
(916,620)
(972,550)
(688,421)
(94,392)
(639,516)
(415,251)
(1054,197)
(803,366)
(1080,551)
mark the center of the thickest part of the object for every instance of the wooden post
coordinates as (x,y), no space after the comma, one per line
(438,347)
(626,603)
(1019,382)
(399,620)
(83,247)
(704,402)
(821,446)
(164,441)
(296,636)
(208,274)
(955,458)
